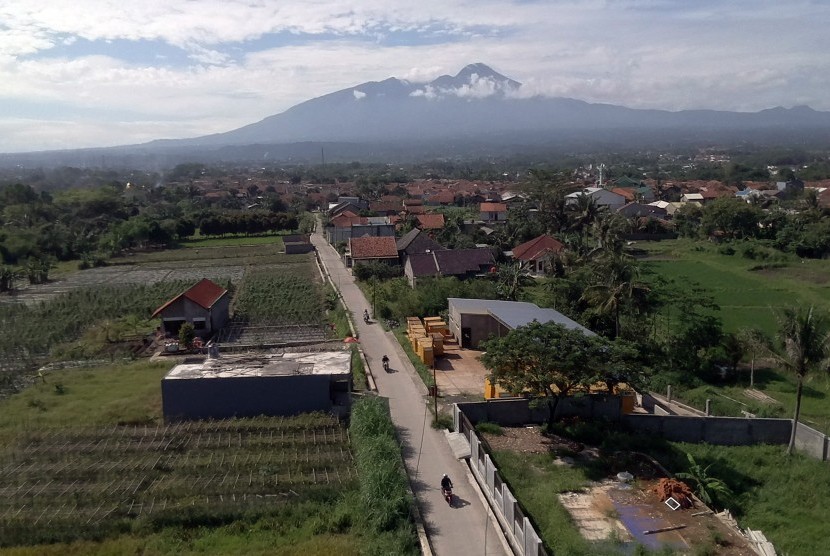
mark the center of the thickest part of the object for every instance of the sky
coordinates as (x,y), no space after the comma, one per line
(89,73)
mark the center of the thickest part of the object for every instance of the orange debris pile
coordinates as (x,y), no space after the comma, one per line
(666,488)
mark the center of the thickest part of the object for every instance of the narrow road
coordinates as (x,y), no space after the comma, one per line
(467,528)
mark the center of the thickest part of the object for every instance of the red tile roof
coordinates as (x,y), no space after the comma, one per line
(430,221)
(537,248)
(205,294)
(493,207)
(369,247)
(627,193)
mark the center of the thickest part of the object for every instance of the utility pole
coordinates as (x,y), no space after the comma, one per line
(434,389)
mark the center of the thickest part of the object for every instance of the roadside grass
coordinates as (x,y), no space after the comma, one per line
(358,371)
(749,291)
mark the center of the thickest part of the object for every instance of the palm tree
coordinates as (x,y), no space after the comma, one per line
(619,285)
(804,335)
(706,488)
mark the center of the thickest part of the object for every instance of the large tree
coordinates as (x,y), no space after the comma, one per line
(804,342)
(547,360)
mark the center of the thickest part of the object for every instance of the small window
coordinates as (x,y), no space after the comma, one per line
(199,324)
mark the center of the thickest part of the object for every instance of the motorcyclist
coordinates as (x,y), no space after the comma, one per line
(446,484)
(365,315)
(385,360)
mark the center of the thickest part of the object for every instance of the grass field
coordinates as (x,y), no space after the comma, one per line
(88,467)
(748,291)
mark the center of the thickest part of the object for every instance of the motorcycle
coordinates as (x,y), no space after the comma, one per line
(366,317)
(386,365)
(447,493)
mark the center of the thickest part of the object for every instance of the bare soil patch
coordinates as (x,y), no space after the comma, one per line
(626,510)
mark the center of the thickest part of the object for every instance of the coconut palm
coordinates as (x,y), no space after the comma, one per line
(804,337)
(618,285)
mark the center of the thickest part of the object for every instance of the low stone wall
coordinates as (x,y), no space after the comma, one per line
(812,442)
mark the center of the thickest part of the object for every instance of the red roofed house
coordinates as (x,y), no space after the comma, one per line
(368,248)
(205,305)
(537,252)
(493,212)
(430,221)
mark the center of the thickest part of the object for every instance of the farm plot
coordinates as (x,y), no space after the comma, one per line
(64,484)
(30,332)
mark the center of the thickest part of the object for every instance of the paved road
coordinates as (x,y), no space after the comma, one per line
(465,529)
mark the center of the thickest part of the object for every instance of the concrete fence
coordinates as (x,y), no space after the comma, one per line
(520,533)
(724,431)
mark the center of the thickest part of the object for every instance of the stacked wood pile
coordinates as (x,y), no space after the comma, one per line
(673,488)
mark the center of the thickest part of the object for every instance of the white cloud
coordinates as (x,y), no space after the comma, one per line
(358,94)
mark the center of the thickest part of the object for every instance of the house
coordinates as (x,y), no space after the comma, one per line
(692,198)
(249,385)
(297,244)
(206,306)
(472,321)
(602,197)
(627,194)
(415,242)
(430,221)
(537,253)
(638,210)
(493,212)
(442,198)
(372,249)
(461,263)
(342,227)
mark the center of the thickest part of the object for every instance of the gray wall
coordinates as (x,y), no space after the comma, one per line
(219,313)
(723,431)
(222,398)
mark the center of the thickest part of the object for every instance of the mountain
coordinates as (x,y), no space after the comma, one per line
(477,103)
(477,112)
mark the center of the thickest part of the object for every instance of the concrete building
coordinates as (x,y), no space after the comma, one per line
(474,320)
(262,384)
(206,306)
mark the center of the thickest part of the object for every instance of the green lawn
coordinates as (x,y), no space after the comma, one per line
(747,292)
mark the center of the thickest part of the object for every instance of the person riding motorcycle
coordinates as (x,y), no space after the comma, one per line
(365,315)
(385,360)
(446,484)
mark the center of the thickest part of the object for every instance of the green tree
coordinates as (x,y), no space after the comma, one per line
(616,288)
(547,360)
(804,346)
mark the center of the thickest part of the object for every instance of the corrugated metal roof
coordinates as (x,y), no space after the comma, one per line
(514,314)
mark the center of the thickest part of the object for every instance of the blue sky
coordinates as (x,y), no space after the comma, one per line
(107,72)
